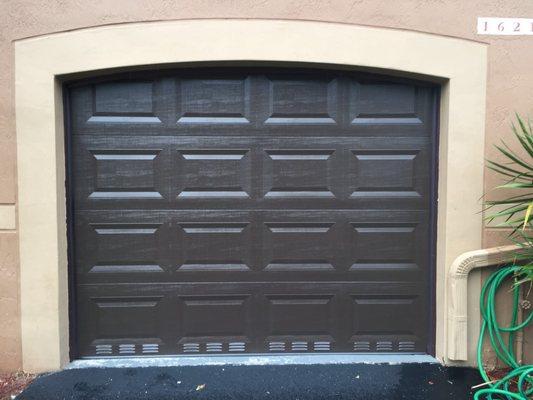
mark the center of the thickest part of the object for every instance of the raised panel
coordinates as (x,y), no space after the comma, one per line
(384,103)
(125,174)
(123,102)
(297,173)
(383,245)
(214,101)
(221,316)
(384,173)
(132,317)
(299,315)
(302,101)
(386,322)
(214,173)
(298,246)
(212,246)
(125,248)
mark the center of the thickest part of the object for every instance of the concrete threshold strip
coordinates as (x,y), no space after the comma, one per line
(251,359)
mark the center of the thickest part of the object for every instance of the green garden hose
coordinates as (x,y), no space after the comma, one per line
(517,384)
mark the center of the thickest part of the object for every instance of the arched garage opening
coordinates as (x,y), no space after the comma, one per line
(43,63)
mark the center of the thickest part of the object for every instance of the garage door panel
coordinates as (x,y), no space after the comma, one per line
(130,246)
(236,317)
(214,101)
(208,103)
(121,324)
(379,103)
(299,315)
(119,104)
(135,175)
(201,172)
(126,245)
(294,105)
(120,247)
(372,329)
(127,174)
(136,315)
(123,102)
(388,173)
(214,246)
(385,246)
(299,246)
(296,100)
(231,210)
(216,320)
(298,173)
(214,173)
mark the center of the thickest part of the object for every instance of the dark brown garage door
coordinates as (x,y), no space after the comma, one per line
(251,210)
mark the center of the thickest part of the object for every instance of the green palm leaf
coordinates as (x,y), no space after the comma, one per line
(516,209)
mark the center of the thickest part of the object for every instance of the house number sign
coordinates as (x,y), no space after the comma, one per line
(505,26)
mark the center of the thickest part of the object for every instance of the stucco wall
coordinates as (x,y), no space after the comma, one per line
(510,80)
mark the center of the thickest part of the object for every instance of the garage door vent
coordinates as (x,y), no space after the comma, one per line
(237,346)
(322,346)
(126,349)
(276,346)
(104,349)
(191,347)
(384,346)
(213,347)
(406,346)
(299,346)
(361,346)
(150,348)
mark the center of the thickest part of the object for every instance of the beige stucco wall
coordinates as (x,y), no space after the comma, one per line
(510,81)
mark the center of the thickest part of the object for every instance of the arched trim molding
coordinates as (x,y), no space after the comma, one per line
(42,63)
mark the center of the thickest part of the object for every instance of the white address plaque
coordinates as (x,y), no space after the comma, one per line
(504,26)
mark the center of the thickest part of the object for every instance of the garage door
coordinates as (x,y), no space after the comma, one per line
(251,210)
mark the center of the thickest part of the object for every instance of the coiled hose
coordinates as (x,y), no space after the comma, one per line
(517,384)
